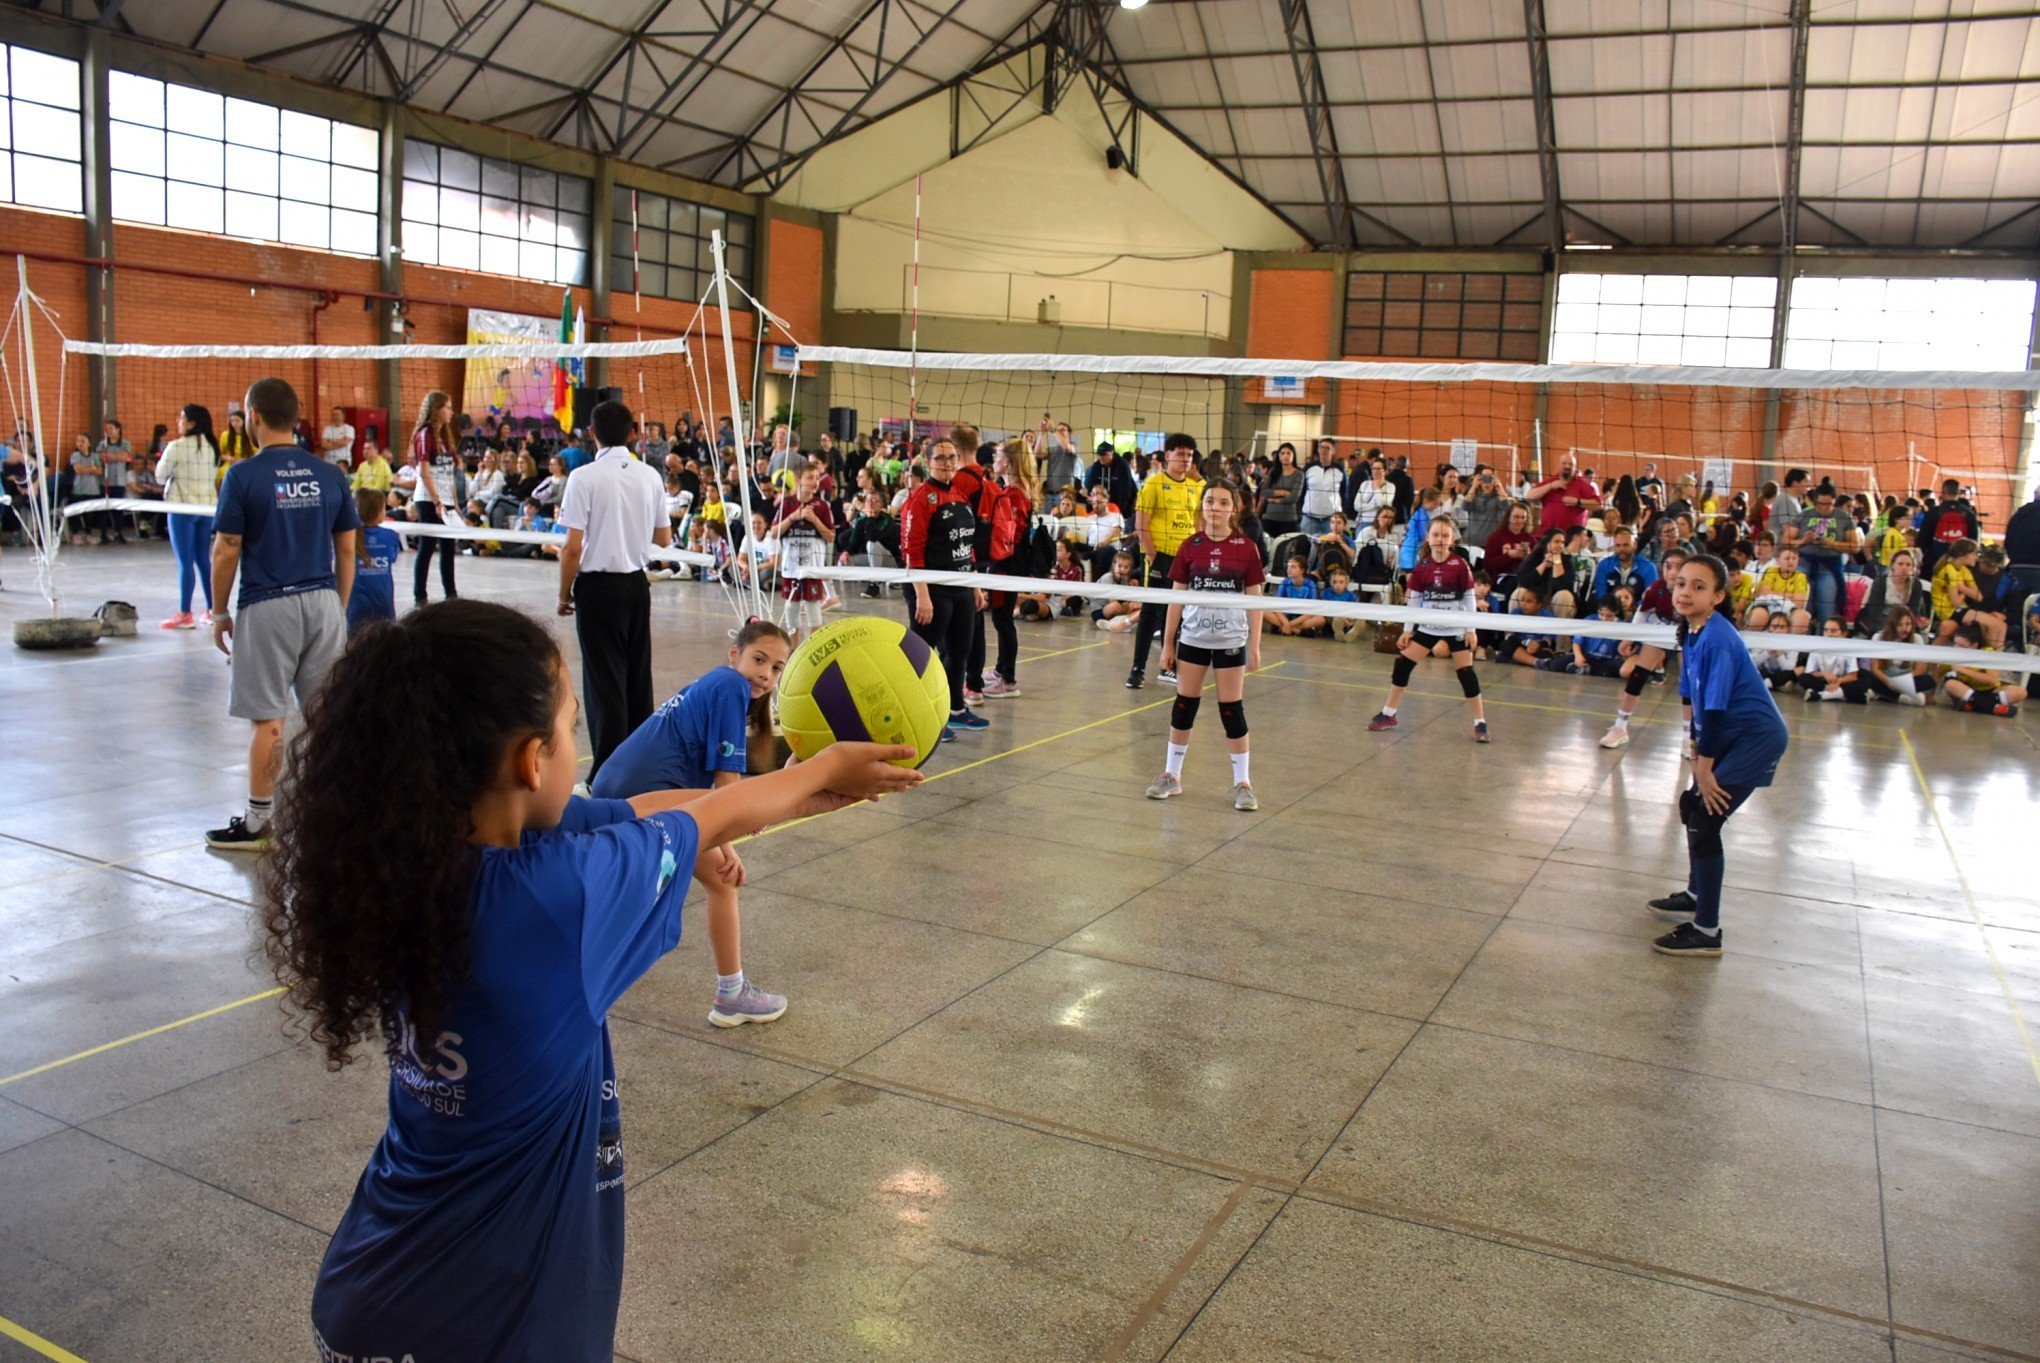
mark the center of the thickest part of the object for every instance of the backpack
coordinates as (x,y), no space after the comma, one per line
(1951,523)
(1040,557)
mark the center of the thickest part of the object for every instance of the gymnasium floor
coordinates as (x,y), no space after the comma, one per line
(1384,1071)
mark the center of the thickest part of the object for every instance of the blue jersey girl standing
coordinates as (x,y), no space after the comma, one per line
(1738,739)
(483,935)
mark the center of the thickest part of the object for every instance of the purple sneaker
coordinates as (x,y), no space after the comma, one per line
(751,1004)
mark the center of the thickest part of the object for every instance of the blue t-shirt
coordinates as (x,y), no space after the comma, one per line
(286,506)
(1717,675)
(690,738)
(489,1222)
(1595,647)
(1305,590)
(1329,595)
(375,594)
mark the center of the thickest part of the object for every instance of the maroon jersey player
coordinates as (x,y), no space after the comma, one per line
(1640,662)
(1223,641)
(1440,581)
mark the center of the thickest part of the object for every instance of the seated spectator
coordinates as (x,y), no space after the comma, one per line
(1117,616)
(1591,656)
(1067,569)
(1622,567)
(553,486)
(1294,586)
(1427,504)
(1957,598)
(1781,588)
(758,556)
(1980,690)
(1832,665)
(1549,574)
(1901,588)
(1890,679)
(1777,666)
(679,502)
(1525,646)
(1339,587)
(1506,549)
(485,489)
(1333,549)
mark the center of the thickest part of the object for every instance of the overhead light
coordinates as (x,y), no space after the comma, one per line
(1133,4)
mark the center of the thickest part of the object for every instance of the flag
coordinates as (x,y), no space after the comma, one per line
(568,374)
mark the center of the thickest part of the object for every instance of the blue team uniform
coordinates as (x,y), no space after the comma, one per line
(489,1222)
(1735,721)
(374,596)
(699,732)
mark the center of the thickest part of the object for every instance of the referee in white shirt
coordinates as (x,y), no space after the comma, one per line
(614,511)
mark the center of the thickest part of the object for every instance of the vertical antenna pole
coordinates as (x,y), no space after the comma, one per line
(722,307)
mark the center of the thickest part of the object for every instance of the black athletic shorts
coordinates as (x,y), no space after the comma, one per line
(1209,657)
(1427,640)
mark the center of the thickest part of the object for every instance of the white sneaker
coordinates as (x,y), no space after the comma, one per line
(1243,798)
(1616,737)
(1913,698)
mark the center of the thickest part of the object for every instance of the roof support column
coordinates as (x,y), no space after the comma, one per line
(94,59)
(1788,242)
(389,256)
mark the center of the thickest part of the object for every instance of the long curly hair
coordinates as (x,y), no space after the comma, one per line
(371,870)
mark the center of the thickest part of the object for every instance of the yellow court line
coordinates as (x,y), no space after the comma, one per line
(22,1334)
(140,1036)
(1969,897)
(1078,648)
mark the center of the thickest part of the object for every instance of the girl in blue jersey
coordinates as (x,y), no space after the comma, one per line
(481,934)
(701,739)
(1738,738)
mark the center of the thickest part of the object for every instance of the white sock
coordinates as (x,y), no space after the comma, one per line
(257,817)
(1177,752)
(1388,710)
(729,986)
(1239,768)
(1622,719)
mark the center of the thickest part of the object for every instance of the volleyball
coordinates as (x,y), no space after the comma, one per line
(866,679)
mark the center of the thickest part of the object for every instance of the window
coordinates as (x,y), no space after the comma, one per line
(673,258)
(184,157)
(1444,316)
(1716,320)
(476,213)
(1909,323)
(41,143)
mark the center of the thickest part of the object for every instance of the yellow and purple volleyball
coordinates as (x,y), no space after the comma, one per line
(866,679)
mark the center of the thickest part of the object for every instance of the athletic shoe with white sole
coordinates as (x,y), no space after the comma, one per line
(1164,786)
(969,722)
(1243,798)
(237,837)
(1677,906)
(751,1004)
(1380,722)
(1616,737)
(1480,733)
(998,688)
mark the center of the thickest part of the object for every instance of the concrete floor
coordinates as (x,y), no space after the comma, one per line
(1385,1071)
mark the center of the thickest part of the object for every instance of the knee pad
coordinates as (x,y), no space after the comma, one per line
(1233,715)
(1184,713)
(1403,670)
(1703,839)
(1469,682)
(1639,677)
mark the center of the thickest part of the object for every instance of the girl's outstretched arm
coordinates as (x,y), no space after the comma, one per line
(841,775)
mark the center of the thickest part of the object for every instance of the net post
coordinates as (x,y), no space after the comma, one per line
(743,445)
(41,468)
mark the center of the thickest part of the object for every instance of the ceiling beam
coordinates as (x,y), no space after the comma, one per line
(484,11)
(487,57)
(370,29)
(1079,50)
(1437,122)
(1317,124)
(633,132)
(1795,127)
(1542,111)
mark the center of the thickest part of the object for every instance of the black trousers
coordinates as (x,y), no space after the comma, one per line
(613,619)
(421,572)
(948,632)
(1153,614)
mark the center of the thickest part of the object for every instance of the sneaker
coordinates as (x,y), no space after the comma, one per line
(1616,737)
(1102,623)
(1678,907)
(969,722)
(751,1004)
(237,837)
(1134,680)
(1120,624)
(1689,751)
(1243,798)
(1001,689)
(1913,698)
(1812,696)
(1167,676)
(1164,786)
(1480,734)
(2004,711)
(181,620)
(948,734)
(1380,722)
(205,619)
(971,697)
(1687,940)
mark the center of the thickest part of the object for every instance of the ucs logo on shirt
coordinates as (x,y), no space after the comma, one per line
(294,492)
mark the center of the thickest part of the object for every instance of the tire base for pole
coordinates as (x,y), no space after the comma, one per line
(56,634)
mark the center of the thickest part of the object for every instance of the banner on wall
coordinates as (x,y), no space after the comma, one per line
(508,388)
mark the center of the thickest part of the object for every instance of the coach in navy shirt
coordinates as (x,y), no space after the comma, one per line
(285,526)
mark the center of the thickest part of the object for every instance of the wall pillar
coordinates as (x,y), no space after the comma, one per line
(389,253)
(94,60)
(601,250)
